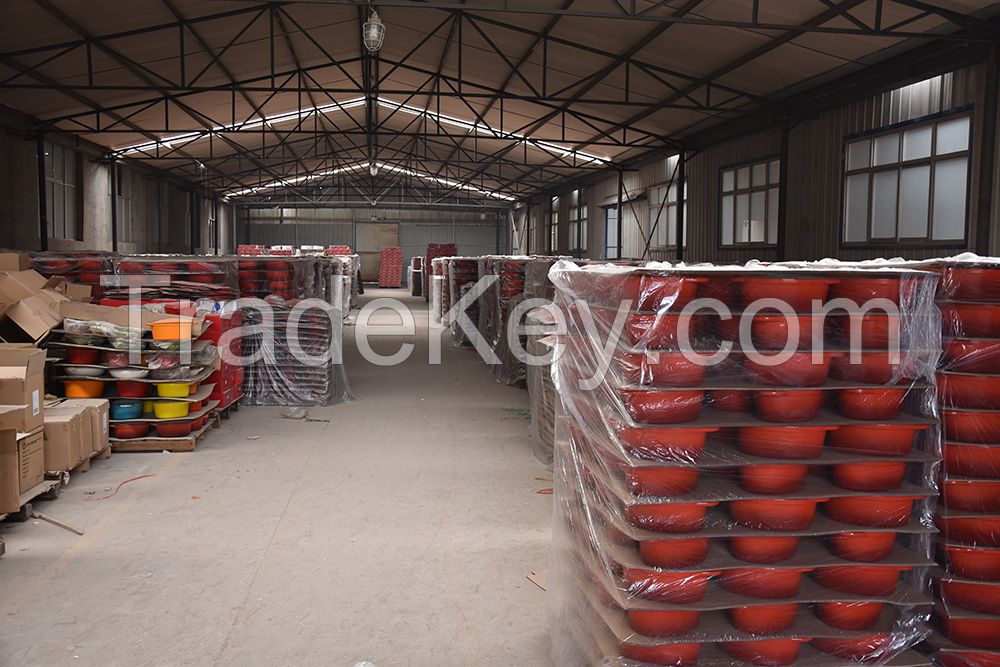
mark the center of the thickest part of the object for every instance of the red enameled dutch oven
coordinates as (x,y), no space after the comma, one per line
(784,442)
(82,355)
(870,476)
(730,400)
(173,429)
(969,391)
(206,278)
(868,580)
(772,331)
(863,547)
(665,481)
(129,389)
(773,479)
(970,284)
(654,331)
(766,651)
(720,288)
(674,553)
(972,460)
(863,290)
(872,368)
(659,368)
(878,511)
(798,293)
(980,531)
(764,582)
(776,514)
(764,549)
(675,655)
(666,586)
(127,431)
(971,320)
(971,426)
(663,623)
(668,444)
(974,632)
(872,648)
(247,264)
(657,293)
(972,562)
(798,370)
(983,597)
(655,406)
(972,495)
(766,619)
(670,517)
(872,403)
(877,439)
(787,406)
(972,355)
(874,329)
(849,615)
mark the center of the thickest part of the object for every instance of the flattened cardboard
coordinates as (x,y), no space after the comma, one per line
(710,417)
(202,375)
(27,321)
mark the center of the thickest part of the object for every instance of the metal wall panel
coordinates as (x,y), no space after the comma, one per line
(470,239)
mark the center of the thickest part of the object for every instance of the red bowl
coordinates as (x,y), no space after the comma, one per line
(766,619)
(967,426)
(766,651)
(667,586)
(655,406)
(720,288)
(657,293)
(247,264)
(662,654)
(871,403)
(660,368)
(980,531)
(974,632)
(972,496)
(773,331)
(674,553)
(668,444)
(730,400)
(663,623)
(873,476)
(82,355)
(849,615)
(863,290)
(972,460)
(971,355)
(129,389)
(879,511)
(278,274)
(670,517)
(199,423)
(970,284)
(206,278)
(873,648)
(862,547)
(969,391)
(248,285)
(777,514)
(868,580)
(797,371)
(789,405)
(877,439)
(764,582)
(89,278)
(967,659)
(978,596)
(874,329)
(162,267)
(173,429)
(773,478)
(972,562)
(195,406)
(128,431)
(665,481)
(279,285)
(872,368)
(655,331)
(763,549)
(971,320)
(784,442)
(798,293)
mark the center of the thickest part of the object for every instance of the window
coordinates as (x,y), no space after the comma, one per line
(611,248)
(553,233)
(63,199)
(750,202)
(578,223)
(663,215)
(909,184)
(123,205)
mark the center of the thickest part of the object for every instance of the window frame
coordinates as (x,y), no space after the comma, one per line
(578,213)
(930,120)
(653,205)
(552,228)
(618,242)
(749,191)
(70,192)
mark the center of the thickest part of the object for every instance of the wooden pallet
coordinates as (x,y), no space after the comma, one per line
(49,489)
(154,444)
(227,411)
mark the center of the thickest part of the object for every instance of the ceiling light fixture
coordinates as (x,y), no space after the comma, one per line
(373,32)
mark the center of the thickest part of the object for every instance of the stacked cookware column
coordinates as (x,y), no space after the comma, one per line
(764,510)
(967,612)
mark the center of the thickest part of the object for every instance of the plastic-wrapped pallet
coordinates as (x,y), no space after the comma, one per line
(770,505)
(542,397)
(463,272)
(284,277)
(436,289)
(391,267)
(82,267)
(434,251)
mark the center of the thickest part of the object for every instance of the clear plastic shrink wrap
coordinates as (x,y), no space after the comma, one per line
(543,338)
(463,272)
(773,508)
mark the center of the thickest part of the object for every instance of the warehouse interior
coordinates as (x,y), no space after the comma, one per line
(408,519)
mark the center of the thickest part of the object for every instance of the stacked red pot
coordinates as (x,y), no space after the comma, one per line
(434,251)
(771,506)
(390,272)
(967,611)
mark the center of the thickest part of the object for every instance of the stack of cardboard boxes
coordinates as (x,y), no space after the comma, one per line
(22,447)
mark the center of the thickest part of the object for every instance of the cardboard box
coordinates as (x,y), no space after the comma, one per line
(22,382)
(27,321)
(14,261)
(22,466)
(64,438)
(97,416)
(30,460)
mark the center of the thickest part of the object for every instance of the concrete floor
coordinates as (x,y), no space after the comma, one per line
(400,532)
